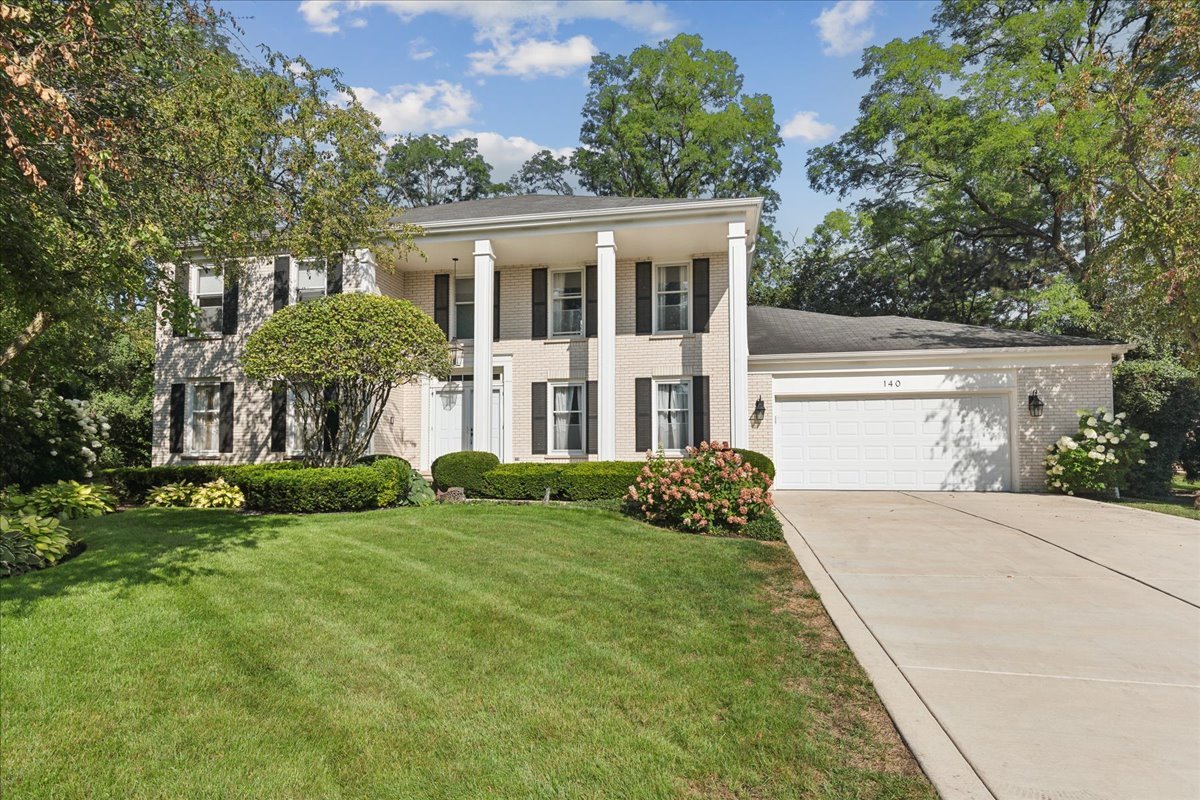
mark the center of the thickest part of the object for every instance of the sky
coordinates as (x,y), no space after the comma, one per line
(514,74)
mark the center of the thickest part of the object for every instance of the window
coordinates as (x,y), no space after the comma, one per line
(566,418)
(672,415)
(310,280)
(566,303)
(208,293)
(464,308)
(671,313)
(296,433)
(204,400)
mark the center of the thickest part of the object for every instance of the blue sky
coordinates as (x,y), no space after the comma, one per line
(514,74)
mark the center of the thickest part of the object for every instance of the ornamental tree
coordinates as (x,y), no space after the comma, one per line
(339,358)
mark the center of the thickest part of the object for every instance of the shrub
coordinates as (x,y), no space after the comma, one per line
(757,460)
(464,469)
(133,484)
(527,481)
(420,493)
(29,542)
(71,500)
(714,491)
(1099,457)
(171,495)
(598,480)
(218,494)
(1161,397)
(46,437)
(397,474)
(766,528)
(311,490)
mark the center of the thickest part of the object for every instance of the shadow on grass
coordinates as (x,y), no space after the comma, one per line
(142,547)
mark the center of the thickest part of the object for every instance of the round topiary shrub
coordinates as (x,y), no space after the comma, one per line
(464,469)
(757,460)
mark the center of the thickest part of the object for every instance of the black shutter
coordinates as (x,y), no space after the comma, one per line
(279,417)
(283,277)
(593,418)
(700,295)
(226,427)
(183,282)
(441,302)
(229,309)
(333,275)
(642,410)
(178,398)
(700,428)
(644,286)
(332,419)
(496,307)
(591,307)
(538,307)
(537,402)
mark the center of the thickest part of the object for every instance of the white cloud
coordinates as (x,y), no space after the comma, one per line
(419,49)
(843,26)
(534,57)
(418,108)
(506,154)
(805,125)
(321,15)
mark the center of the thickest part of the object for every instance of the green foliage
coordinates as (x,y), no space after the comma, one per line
(1099,458)
(525,481)
(1161,397)
(397,475)
(757,460)
(672,121)
(766,528)
(420,493)
(713,491)
(171,495)
(544,172)
(598,480)
(464,469)
(342,355)
(133,484)
(46,437)
(429,169)
(217,494)
(29,542)
(71,500)
(317,489)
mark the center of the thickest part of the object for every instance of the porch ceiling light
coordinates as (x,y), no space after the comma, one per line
(1036,406)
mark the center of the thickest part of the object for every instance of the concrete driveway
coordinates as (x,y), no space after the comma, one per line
(1028,646)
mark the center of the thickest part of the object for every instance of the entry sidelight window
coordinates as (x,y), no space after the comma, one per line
(464,308)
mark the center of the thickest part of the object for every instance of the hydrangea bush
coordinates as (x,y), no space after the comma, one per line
(712,490)
(47,437)
(1099,458)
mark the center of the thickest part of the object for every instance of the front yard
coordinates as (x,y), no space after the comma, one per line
(445,652)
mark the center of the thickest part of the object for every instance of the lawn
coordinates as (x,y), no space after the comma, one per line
(1179,504)
(445,652)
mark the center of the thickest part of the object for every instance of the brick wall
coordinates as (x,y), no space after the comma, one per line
(1065,390)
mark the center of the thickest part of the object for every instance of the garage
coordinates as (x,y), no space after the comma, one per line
(946,443)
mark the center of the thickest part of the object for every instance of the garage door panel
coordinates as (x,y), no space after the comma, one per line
(922,443)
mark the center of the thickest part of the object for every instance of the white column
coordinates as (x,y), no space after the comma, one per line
(481,420)
(606,345)
(739,352)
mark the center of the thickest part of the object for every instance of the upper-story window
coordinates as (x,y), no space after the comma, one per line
(311,280)
(208,293)
(566,303)
(671,308)
(464,308)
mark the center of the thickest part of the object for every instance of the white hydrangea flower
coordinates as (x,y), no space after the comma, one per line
(1092,422)
(1154,444)
(53,452)
(1099,448)
(1144,437)
(1090,432)
(1141,461)
(1072,445)
(1109,417)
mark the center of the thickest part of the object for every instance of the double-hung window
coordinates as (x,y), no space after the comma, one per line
(204,415)
(671,311)
(567,418)
(310,280)
(566,303)
(208,293)
(672,415)
(464,308)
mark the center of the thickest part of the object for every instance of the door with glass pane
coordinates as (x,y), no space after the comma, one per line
(452,415)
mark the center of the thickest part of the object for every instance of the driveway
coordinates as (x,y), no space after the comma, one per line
(1028,646)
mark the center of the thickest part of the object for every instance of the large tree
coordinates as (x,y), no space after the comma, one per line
(543,172)
(673,121)
(1027,145)
(428,170)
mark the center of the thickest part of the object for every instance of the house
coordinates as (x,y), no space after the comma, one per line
(614,326)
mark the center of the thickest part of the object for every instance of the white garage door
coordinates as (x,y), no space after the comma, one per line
(921,443)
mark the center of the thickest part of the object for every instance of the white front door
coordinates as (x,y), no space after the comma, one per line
(452,403)
(953,442)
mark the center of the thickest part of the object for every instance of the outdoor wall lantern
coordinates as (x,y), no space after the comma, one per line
(760,409)
(1036,406)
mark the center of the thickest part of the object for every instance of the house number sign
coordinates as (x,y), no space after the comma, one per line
(891,383)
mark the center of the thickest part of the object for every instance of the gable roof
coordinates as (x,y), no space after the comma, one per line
(527,204)
(783,331)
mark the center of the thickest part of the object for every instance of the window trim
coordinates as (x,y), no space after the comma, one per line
(654,292)
(294,278)
(550,413)
(550,273)
(454,307)
(189,448)
(691,410)
(293,448)
(194,296)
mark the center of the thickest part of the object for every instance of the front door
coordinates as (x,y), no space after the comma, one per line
(452,413)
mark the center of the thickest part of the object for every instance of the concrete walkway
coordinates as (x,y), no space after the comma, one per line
(1027,646)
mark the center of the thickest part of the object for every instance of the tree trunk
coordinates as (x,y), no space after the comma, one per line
(41,320)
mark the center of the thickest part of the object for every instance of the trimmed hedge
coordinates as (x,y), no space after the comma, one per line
(464,469)
(307,491)
(132,484)
(395,471)
(757,460)
(766,528)
(598,480)
(527,481)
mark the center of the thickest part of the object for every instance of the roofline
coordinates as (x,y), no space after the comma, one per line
(1109,350)
(565,218)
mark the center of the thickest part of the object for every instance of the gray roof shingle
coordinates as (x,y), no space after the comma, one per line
(780,331)
(520,205)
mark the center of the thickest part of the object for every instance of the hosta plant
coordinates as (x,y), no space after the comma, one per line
(29,542)
(171,495)
(1099,457)
(72,500)
(713,490)
(218,494)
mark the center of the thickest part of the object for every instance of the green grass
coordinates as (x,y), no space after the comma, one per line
(1180,504)
(445,652)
